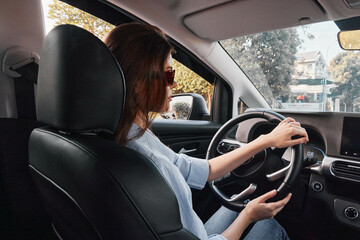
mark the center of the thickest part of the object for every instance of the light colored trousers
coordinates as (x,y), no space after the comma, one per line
(268,229)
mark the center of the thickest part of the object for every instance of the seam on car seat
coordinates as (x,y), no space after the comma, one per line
(90,154)
(171,232)
(56,231)
(68,195)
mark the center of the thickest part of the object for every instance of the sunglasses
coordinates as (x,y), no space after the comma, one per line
(170,75)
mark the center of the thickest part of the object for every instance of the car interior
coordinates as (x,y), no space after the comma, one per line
(61,97)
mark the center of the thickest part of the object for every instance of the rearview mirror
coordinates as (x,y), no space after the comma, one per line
(349,40)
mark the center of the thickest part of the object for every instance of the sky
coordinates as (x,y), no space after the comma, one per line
(325,40)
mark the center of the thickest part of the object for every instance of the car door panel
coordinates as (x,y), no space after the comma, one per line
(186,136)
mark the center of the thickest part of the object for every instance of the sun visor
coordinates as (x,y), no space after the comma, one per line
(240,18)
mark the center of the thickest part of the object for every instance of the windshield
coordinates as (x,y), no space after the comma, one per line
(300,68)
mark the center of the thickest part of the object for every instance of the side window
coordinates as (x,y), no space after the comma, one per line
(57,13)
(192,97)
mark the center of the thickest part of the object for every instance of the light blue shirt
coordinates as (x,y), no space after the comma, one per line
(181,172)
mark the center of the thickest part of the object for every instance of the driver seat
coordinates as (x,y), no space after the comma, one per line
(92,187)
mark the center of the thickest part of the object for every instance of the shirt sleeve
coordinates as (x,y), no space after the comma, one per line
(194,170)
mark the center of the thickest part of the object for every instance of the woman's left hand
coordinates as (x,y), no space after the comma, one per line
(258,209)
(281,136)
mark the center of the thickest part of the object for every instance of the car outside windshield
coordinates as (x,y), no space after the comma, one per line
(300,68)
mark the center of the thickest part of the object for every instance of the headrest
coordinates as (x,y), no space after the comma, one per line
(81,86)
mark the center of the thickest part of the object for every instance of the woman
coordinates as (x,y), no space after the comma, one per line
(144,53)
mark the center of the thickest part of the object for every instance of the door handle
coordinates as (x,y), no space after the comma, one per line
(183,150)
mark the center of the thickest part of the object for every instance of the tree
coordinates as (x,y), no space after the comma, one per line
(268,60)
(189,82)
(63,13)
(181,110)
(345,70)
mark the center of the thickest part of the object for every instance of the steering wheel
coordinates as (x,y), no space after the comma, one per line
(262,172)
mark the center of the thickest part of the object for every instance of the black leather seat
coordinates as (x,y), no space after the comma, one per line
(92,187)
(23,216)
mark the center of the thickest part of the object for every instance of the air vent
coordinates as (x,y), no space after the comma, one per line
(346,169)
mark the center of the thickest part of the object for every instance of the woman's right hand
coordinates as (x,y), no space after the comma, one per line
(257,209)
(281,135)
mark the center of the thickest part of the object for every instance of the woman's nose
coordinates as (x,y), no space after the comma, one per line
(174,85)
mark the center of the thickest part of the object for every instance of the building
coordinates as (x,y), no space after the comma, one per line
(311,83)
(310,65)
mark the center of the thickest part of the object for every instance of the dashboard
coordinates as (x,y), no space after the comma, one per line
(334,149)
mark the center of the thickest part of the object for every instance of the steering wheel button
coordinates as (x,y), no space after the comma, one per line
(317,186)
(351,213)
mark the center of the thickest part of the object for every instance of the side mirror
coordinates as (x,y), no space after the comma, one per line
(349,40)
(188,106)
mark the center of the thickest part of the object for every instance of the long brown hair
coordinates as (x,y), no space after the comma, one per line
(141,51)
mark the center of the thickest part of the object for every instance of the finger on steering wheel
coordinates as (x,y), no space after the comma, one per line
(287,120)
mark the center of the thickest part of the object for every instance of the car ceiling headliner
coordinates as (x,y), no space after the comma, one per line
(213,20)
